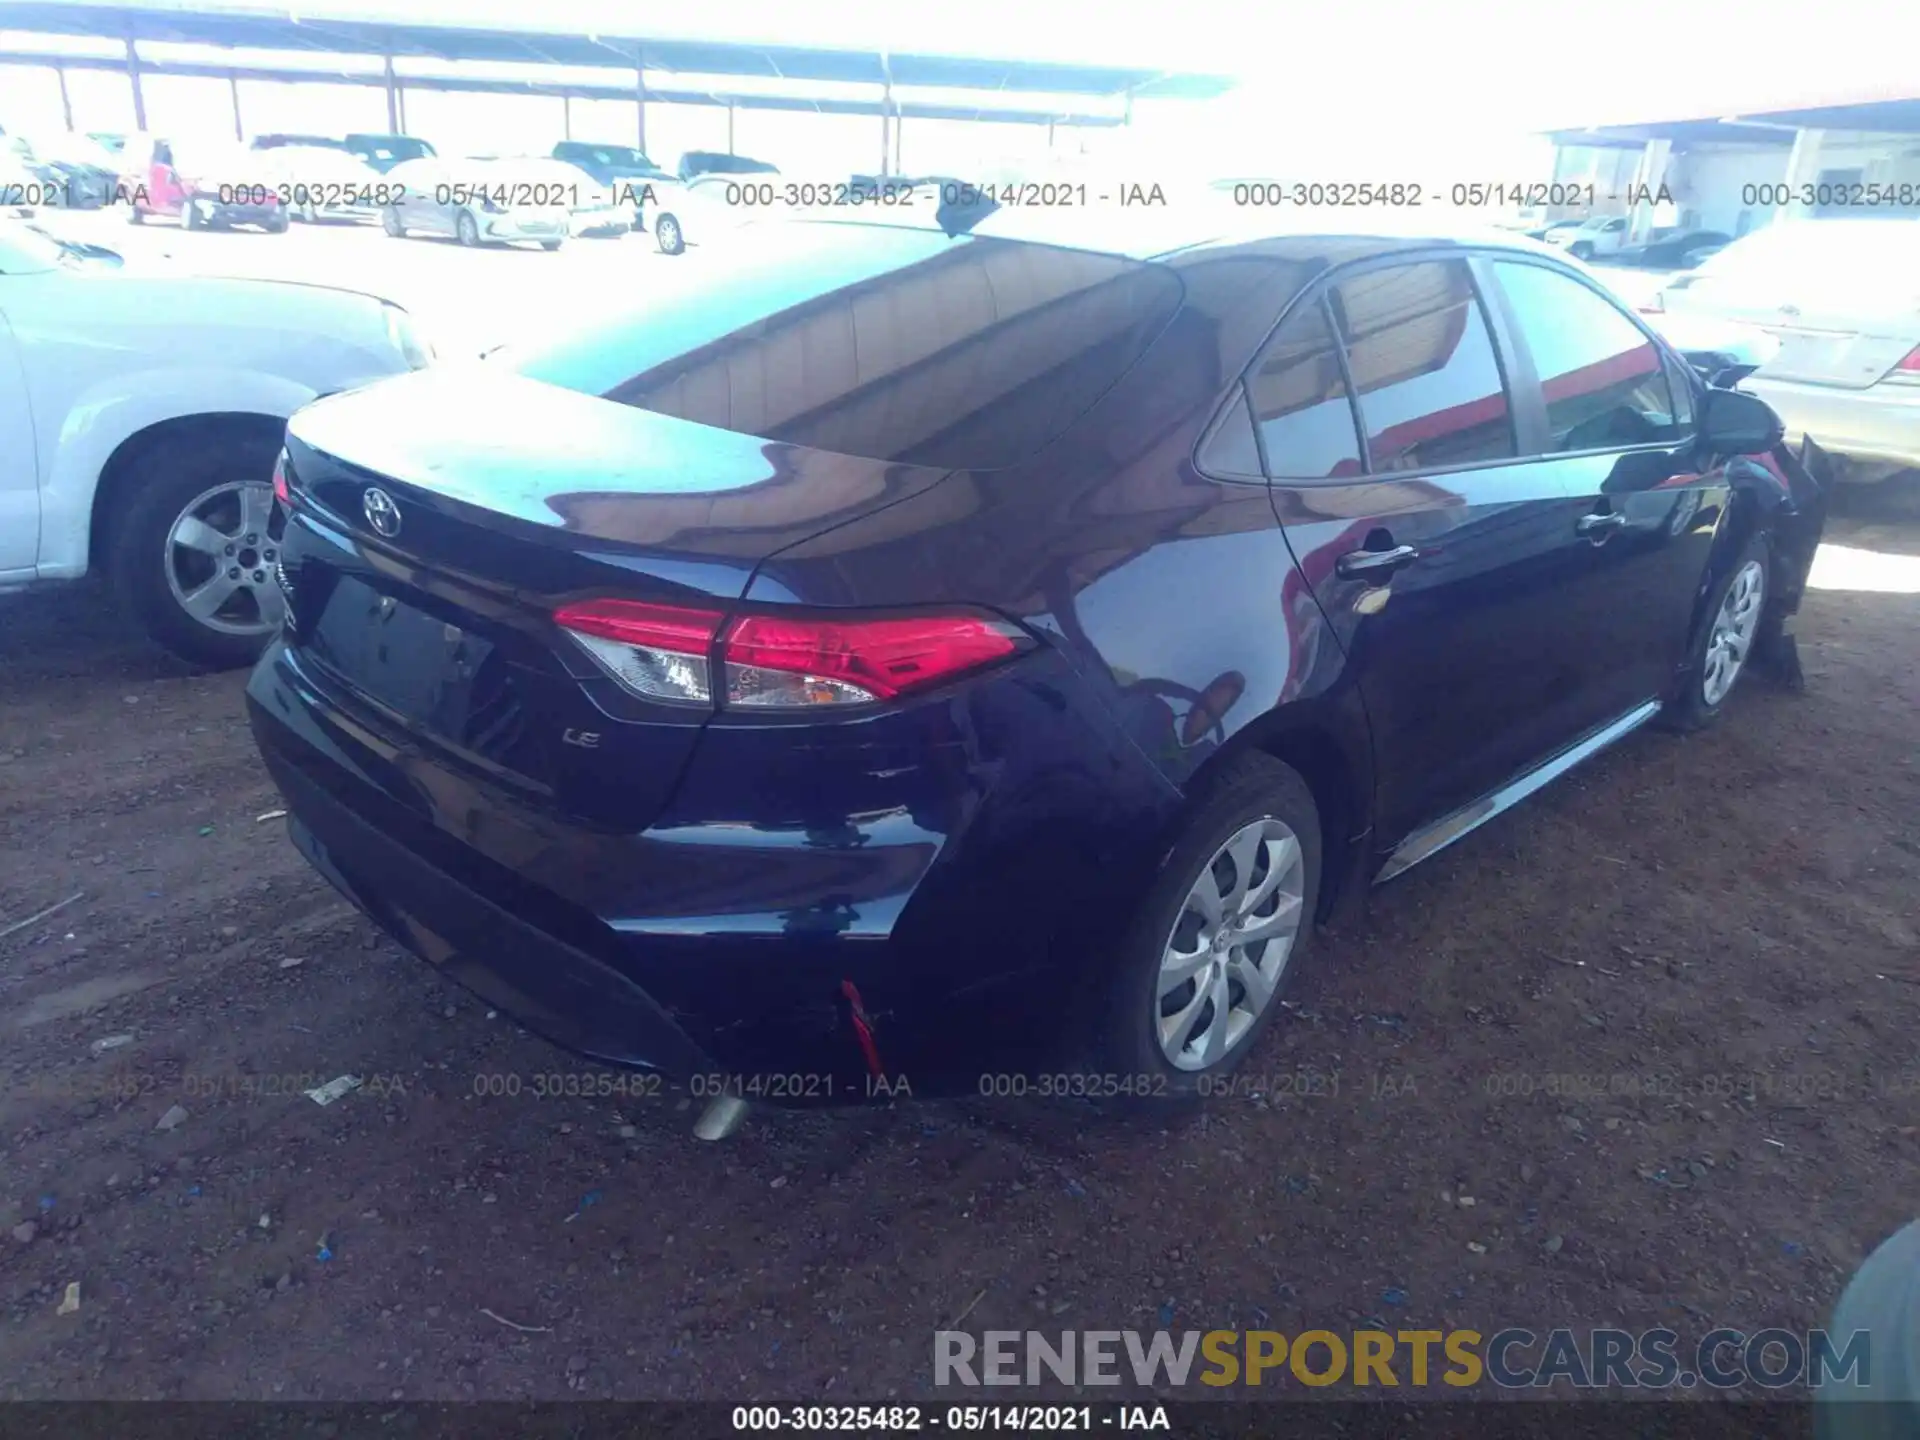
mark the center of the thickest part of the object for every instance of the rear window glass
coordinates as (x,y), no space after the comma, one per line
(1300,402)
(893,344)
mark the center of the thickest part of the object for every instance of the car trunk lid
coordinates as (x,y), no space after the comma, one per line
(440,519)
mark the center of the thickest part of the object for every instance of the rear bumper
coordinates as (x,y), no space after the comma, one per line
(564,993)
(719,938)
(237,212)
(1880,424)
(523,227)
(587,222)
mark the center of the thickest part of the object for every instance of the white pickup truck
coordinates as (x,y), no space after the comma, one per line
(140,416)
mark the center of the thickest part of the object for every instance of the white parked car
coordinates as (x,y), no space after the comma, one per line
(1842,298)
(140,418)
(677,211)
(317,183)
(1602,235)
(487,201)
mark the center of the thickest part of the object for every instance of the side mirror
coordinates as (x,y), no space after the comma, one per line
(1732,422)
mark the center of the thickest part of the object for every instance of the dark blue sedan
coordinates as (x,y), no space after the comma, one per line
(940,657)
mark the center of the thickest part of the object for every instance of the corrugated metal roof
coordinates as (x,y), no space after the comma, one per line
(314,31)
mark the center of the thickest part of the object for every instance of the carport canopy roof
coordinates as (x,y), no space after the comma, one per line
(1893,115)
(316,32)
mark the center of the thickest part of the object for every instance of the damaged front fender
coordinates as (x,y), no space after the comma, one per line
(1786,495)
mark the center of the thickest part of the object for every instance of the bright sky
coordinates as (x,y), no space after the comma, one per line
(1386,86)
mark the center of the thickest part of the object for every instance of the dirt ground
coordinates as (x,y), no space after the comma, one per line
(1729,923)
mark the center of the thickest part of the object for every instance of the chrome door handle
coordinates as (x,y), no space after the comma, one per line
(1598,527)
(1369,564)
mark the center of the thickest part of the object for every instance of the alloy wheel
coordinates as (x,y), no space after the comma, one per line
(220,557)
(1734,626)
(1222,963)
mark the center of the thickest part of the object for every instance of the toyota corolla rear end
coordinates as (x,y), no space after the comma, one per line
(523,716)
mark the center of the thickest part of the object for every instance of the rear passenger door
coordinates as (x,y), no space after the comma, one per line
(1437,555)
(1615,428)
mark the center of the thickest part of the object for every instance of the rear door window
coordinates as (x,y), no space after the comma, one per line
(1429,386)
(1301,410)
(893,344)
(1604,381)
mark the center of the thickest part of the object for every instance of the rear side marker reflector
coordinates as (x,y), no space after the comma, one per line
(781,662)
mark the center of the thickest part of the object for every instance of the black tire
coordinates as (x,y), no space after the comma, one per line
(667,234)
(390,222)
(277,225)
(190,217)
(1580,250)
(135,215)
(1249,788)
(466,229)
(170,473)
(549,245)
(1691,709)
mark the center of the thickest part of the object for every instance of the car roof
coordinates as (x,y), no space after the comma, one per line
(1186,232)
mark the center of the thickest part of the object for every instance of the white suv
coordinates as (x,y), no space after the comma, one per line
(140,417)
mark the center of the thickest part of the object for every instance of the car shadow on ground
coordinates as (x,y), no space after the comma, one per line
(78,631)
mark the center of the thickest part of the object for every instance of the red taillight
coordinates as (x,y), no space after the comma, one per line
(812,662)
(770,661)
(633,622)
(1910,364)
(280,491)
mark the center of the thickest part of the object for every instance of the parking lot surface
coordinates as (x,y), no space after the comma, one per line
(1638,1054)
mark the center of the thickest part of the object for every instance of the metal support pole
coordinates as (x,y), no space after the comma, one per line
(1648,176)
(566,117)
(1803,168)
(400,94)
(393,99)
(233,91)
(729,127)
(886,116)
(66,105)
(133,76)
(899,128)
(640,100)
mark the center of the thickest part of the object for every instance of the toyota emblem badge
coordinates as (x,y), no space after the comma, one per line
(382,514)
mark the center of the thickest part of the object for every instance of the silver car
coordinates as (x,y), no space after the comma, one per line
(317,183)
(1842,298)
(485,201)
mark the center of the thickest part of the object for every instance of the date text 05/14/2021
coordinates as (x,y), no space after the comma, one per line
(958,1419)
